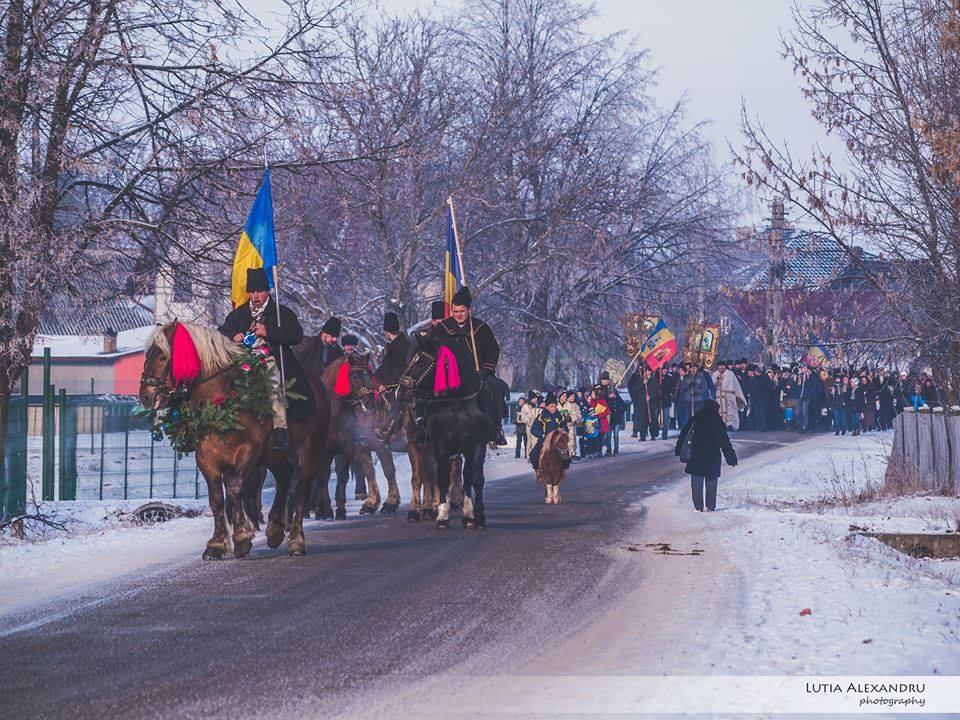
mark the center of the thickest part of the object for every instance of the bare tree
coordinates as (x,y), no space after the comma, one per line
(114,114)
(883,77)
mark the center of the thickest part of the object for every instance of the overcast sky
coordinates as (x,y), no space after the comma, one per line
(717,53)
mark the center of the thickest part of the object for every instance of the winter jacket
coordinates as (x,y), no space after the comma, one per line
(547,422)
(710,440)
(601,409)
(617,408)
(700,386)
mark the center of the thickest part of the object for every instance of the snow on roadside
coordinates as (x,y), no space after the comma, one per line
(783,540)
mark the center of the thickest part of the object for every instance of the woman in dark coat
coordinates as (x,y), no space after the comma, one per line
(710,439)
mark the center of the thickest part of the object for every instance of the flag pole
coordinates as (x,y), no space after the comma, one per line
(463,275)
(276,293)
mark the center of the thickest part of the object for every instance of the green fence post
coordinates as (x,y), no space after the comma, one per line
(176,455)
(21,499)
(46,472)
(62,445)
(196,483)
(103,430)
(92,408)
(152,444)
(126,453)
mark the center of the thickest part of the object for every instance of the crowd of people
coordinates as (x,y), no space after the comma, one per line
(797,398)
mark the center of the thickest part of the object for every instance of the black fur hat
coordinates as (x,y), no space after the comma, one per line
(391,322)
(332,327)
(462,297)
(350,340)
(551,399)
(438,310)
(257,280)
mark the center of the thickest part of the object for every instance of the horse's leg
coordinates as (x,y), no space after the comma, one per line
(431,493)
(242,528)
(416,483)
(479,454)
(252,495)
(456,482)
(282,473)
(220,542)
(309,459)
(443,480)
(323,510)
(359,481)
(468,473)
(343,475)
(372,501)
(390,473)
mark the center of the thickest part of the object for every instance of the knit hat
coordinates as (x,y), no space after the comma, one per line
(332,327)
(462,297)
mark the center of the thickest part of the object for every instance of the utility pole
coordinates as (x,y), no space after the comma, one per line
(774,293)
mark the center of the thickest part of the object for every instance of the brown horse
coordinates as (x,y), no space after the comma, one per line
(554,458)
(425,495)
(228,461)
(353,419)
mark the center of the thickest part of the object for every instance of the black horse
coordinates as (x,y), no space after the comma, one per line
(455,425)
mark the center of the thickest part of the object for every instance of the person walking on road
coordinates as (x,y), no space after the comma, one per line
(709,441)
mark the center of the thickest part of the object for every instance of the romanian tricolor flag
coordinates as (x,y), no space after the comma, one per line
(452,273)
(258,246)
(659,346)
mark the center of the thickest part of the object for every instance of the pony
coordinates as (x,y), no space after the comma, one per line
(232,464)
(348,382)
(552,468)
(455,425)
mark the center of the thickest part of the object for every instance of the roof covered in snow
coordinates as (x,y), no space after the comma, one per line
(91,346)
(63,316)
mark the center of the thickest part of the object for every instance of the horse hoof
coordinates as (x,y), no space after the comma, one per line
(429,514)
(341,514)
(413,516)
(242,547)
(274,538)
(367,510)
(469,524)
(389,508)
(360,496)
(297,549)
(213,553)
(443,524)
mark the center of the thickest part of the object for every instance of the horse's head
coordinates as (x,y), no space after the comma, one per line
(361,382)
(156,381)
(414,377)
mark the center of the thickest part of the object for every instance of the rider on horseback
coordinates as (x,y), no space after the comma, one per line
(483,346)
(395,354)
(254,324)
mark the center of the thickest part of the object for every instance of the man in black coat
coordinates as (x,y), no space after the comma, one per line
(480,343)
(709,440)
(395,354)
(317,353)
(254,324)
(644,389)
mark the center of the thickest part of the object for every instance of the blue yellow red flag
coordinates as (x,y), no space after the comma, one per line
(257,246)
(659,346)
(452,273)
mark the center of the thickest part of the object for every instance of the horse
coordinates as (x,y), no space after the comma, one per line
(231,463)
(425,493)
(552,467)
(455,425)
(351,434)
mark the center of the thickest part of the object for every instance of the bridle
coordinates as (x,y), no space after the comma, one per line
(167,387)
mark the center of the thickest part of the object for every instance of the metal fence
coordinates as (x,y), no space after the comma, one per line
(13,471)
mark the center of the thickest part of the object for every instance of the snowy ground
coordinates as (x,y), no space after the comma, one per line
(730,595)
(100,542)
